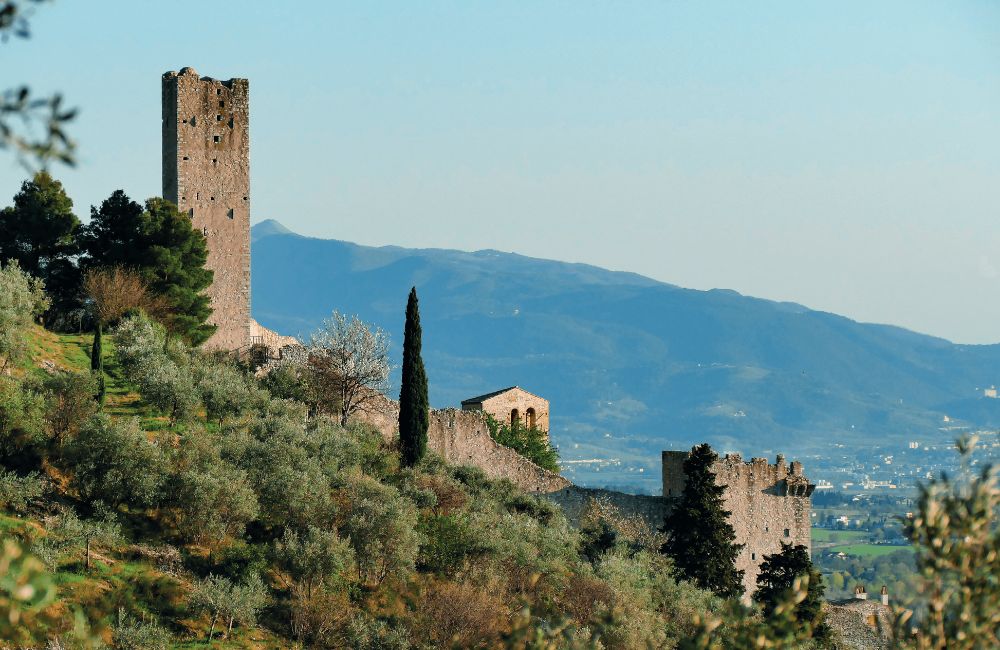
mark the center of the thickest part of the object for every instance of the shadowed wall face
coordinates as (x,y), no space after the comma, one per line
(206,172)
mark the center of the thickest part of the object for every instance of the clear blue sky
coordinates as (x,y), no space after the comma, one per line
(842,155)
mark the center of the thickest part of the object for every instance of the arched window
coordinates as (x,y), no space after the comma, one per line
(514,417)
(529,418)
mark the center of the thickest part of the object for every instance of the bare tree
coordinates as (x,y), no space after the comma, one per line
(354,359)
(116,290)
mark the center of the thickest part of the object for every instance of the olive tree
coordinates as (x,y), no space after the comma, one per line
(227,601)
(955,531)
(22,297)
(313,557)
(382,529)
(112,460)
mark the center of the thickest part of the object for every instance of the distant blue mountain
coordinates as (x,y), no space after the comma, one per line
(632,365)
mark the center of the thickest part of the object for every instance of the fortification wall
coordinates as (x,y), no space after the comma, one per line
(769,504)
(274,341)
(462,438)
(574,499)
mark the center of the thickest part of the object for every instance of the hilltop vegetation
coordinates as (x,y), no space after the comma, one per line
(197,507)
(175,515)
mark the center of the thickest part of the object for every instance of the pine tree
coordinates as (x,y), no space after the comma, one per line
(177,254)
(159,243)
(700,539)
(116,235)
(39,231)
(777,576)
(413,402)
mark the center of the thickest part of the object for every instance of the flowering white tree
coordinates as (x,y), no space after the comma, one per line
(351,360)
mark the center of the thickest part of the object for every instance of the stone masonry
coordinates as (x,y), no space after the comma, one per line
(514,403)
(768,504)
(206,172)
(462,438)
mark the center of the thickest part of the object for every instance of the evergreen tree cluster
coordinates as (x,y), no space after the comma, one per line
(43,234)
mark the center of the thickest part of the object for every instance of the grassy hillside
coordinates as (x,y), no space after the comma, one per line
(125,577)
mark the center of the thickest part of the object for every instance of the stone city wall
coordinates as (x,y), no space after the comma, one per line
(769,504)
(462,438)
(574,500)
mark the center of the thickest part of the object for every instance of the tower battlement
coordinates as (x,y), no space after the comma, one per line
(769,504)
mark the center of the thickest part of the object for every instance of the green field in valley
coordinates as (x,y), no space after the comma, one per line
(838,536)
(872,550)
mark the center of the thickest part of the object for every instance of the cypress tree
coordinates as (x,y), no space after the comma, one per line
(700,539)
(413,402)
(97,363)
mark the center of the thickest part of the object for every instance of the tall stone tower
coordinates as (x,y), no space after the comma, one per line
(206,172)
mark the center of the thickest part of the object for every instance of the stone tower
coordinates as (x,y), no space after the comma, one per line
(769,504)
(206,172)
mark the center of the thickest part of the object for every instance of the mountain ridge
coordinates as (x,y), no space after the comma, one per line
(633,365)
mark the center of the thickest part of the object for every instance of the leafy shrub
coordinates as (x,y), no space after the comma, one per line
(112,461)
(958,559)
(239,561)
(585,596)
(130,634)
(323,618)
(169,387)
(229,602)
(69,402)
(224,390)
(283,461)
(314,557)
(455,615)
(69,535)
(18,492)
(367,633)
(22,415)
(537,508)
(161,370)
(285,382)
(530,442)
(213,502)
(448,541)
(448,493)
(22,297)
(381,526)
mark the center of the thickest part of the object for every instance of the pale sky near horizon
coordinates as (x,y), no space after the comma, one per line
(845,155)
